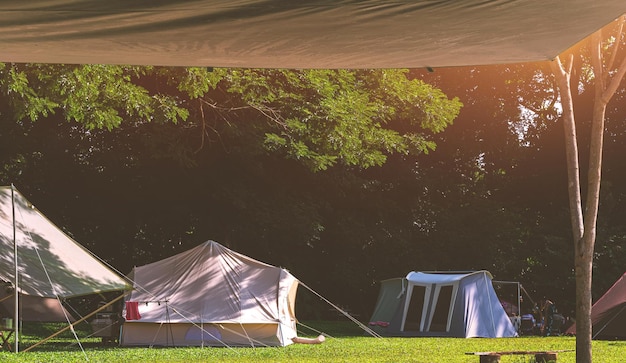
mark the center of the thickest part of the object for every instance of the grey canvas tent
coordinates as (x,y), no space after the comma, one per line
(297,34)
(49,265)
(210,295)
(441,304)
(608,313)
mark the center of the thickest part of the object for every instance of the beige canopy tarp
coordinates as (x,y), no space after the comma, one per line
(297,34)
(51,265)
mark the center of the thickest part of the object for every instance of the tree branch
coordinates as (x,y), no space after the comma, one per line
(616,79)
(618,41)
(571,146)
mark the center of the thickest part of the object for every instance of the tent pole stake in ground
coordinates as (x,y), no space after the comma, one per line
(15,286)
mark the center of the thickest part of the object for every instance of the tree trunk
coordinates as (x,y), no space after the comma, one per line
(571,146)
(582,259)
(584,227)
(583,262)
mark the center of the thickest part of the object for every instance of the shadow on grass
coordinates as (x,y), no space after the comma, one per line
(335,329)
(34,332)
(620,343)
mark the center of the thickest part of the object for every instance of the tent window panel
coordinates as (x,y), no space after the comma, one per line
(414,313)
(442,310)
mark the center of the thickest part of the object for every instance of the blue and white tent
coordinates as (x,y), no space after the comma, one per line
(441,304)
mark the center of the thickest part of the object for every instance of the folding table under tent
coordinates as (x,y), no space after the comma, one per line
(50,266)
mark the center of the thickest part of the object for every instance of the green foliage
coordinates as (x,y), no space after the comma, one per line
(358,118)
(23,97)
(95,96)
(196,82)
(318,117)
(227,154)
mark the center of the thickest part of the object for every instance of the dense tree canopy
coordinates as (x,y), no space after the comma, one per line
(320,117)
(343,177)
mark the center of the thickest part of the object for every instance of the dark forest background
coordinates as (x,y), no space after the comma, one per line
(492,195)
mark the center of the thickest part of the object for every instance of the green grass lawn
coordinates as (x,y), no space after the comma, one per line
(347,344)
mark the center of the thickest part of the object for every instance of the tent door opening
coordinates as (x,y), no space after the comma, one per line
(429,308)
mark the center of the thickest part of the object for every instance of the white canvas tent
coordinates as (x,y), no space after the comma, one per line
(441,304)
(210,295)
(50,265)
(297,34)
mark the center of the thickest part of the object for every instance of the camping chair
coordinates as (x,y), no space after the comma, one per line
(557,324)
(527,326)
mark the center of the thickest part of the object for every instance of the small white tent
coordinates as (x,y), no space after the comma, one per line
(210,295)
(441,304)
(50,266)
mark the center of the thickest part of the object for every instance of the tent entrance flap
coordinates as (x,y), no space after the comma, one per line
(429,307)
(442,315)
(415,310)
